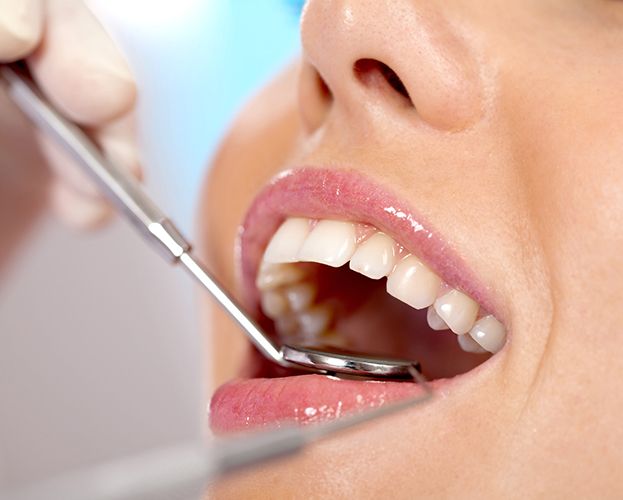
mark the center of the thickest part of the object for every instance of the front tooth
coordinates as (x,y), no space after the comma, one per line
(300,296)
(314,321)
(274,303)
(457,310)
(489,333)
(331,243)
(468,344)
(412,282)
(272,276)
(374,258)
(285,244)
(434,320)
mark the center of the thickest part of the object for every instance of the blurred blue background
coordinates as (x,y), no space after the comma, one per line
(196,62)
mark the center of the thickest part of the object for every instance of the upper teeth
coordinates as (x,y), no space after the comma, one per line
(457,310)
(331,242)
(413,283)
(374,257)
(289,300)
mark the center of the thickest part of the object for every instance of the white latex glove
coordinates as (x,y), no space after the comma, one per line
(83,74)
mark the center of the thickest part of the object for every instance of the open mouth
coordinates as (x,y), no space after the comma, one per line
(329,260)
(341,301)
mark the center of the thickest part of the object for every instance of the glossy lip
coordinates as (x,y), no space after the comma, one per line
(305,399)
(345,195)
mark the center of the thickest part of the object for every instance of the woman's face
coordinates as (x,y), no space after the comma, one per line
(485,138)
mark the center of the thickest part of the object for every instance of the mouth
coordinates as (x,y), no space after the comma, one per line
(330,259)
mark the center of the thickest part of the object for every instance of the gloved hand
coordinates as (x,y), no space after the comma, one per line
(83,74)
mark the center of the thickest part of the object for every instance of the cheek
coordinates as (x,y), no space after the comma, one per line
(247,160)
(577,189)
(223,202)
(226,340)
(574,179)
(569,150)
(252,153)
(221,209)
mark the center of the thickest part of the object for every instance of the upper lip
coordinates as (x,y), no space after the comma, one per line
(347,195)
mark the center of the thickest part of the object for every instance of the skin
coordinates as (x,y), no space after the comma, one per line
(512,147)
(83,74)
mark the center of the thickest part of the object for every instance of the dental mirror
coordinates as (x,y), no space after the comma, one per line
(126,193)
(350,364)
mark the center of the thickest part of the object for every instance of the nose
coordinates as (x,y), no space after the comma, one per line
(402,57)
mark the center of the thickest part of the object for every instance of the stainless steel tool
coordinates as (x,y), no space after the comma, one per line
(126,193)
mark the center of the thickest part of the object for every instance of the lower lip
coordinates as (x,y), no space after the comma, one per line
(262,402)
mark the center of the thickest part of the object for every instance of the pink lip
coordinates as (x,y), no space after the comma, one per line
(321,193)
(305,399)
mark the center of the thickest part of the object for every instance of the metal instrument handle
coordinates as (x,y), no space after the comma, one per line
(127,194)
(123,189)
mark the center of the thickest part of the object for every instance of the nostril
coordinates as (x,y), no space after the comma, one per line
(315,97)
(394,80)
(377,74)
(323,88)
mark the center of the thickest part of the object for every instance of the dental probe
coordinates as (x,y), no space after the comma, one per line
(183,471)
(125,192)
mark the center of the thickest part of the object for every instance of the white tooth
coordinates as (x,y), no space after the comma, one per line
(412,282)
(331,242)
(300,296)
(374,258)
(274,303)
(457,310)
(434,321)
(285,244)
(468,344)
(272,276)
(286,326)
(314,321)
(489,333)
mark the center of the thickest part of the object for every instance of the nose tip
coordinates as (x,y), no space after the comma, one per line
(402,54)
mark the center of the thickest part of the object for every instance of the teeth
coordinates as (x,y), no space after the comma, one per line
(489,333)
(331,243)
(300,296)
(468,344)
(274,303)
(434,320)
(314,321)
(412,282)
(286,242)
(286,325)
(457,310)
(305,327)
(288,298)
(275,275)
(374,258)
